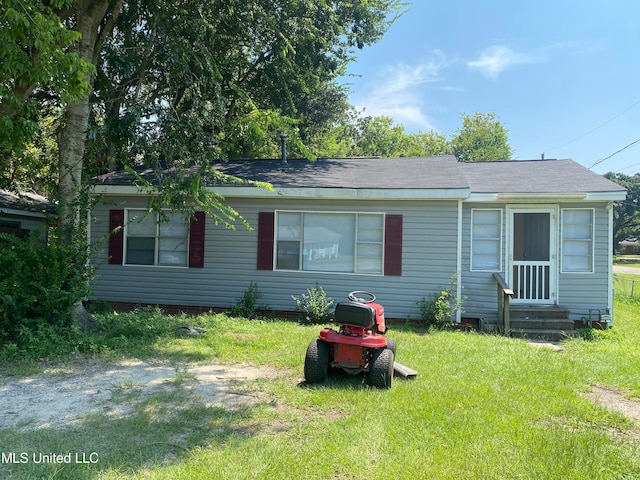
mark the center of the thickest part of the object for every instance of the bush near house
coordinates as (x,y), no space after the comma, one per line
(40,284)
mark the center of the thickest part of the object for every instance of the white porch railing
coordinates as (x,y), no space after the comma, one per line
(531,282)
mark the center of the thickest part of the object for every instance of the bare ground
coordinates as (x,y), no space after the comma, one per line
(614,399)
(61,397)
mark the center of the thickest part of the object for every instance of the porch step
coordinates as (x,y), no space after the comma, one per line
(542,334)
(538,311)
(541,322)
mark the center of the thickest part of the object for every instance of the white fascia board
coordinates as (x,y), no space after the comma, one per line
(304,192)
(346,193)
(606,196)
(22,213)
(545,197)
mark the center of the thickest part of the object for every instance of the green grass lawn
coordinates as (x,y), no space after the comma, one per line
(482,406)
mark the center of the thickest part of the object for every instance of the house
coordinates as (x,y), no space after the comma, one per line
(631,246)
(24,212)
(402,228)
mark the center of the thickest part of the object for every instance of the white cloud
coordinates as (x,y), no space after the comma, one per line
(498,58)
(399,92)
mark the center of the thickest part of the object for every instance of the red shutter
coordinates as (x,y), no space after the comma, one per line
(393,245)
(265,240)
(116,219)
(196,240)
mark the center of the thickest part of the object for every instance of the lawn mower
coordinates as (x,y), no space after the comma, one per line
(358,346)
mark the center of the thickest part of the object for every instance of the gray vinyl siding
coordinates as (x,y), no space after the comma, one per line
(581,291)
(429,260)
(479,290)
(578,292)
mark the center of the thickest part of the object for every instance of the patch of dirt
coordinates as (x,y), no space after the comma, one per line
(615,400)
(60,398)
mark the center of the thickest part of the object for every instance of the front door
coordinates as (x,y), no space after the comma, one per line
(532,255)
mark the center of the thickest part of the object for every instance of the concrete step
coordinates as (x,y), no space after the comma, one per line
(543,323)
(541,334)
(538,311)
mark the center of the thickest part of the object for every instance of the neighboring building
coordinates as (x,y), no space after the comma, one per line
(630,246)
(24,212)
(402,228)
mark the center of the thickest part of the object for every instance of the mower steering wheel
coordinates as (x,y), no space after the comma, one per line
(355,297)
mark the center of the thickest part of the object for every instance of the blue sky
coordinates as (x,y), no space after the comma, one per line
(563,76)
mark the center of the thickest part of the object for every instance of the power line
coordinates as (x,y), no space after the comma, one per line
(614,153)
(593,130)
(628,166)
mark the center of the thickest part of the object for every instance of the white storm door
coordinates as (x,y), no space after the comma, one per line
(532,255)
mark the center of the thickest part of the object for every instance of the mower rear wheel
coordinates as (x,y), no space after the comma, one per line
(381,372)
(316,362)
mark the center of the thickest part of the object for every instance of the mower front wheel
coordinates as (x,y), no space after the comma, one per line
(381,372)
(316,362)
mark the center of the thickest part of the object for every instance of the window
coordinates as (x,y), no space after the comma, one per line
(153,242)
(577,240)
(486,240)
(330,242)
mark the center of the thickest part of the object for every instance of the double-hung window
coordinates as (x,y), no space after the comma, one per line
(153,239)
(330,242)
(486,239)
(577,240)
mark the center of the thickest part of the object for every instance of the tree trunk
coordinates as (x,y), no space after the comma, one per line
(88,18)
(93,20)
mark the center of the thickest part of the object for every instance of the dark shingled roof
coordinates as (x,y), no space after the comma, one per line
(443,172)
(371,173)
(25,201)
(535,176)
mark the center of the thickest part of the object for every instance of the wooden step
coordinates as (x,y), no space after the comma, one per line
(541,322)
(538,311)
(541,334)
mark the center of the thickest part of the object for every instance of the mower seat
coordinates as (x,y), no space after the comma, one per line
(355,313)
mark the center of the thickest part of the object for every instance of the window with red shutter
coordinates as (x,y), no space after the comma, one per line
(393,245)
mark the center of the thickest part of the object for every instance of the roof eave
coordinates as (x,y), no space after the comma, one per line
(548,197)
(310,192)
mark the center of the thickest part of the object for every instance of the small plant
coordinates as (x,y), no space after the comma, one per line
(247,305)
(439,309)
(315,307)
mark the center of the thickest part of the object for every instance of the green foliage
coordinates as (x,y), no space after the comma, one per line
(626,214)
(41,283)
(477,403)
(247,305)
(140,325)
(481,138)
(439,309)
(315,306)
(34,47)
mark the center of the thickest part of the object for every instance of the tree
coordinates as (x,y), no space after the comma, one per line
(626,214)
(481,138)
(39,73)
(379,136)
(156,82)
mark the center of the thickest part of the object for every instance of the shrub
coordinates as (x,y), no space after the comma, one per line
(315,307)
(439,309)
(40,284)
(247,305)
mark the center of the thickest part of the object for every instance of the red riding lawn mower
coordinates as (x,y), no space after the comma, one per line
(358,346)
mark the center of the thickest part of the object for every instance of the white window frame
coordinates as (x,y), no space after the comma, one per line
(129,213)
(498,239)
(357,242)
(591,240)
